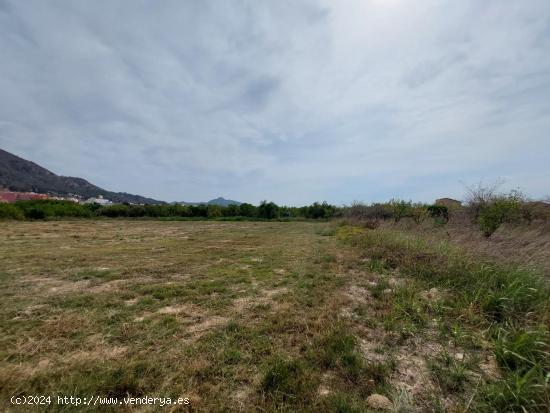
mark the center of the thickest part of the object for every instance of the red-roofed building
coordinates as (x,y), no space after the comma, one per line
(8,196)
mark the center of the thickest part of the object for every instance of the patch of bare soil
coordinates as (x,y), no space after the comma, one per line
(207,323)
(187,309)
(99,353)
(130,302)
(411,377)
(54,286)
(31,311)
(109,286)
(432,295)
(265,297)
(197,320)
(353,297)
(325,388)
(241,396)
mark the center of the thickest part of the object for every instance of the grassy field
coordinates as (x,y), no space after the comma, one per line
(263,316)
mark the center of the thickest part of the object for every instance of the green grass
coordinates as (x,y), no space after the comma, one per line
(287,380)
(504,304)
(265,316)
(450,374)
(338,350)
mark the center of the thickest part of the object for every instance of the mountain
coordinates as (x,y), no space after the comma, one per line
(18,174)
(223,202)
(218,201)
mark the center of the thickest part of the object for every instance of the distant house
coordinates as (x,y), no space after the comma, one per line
(448,202)
(66,198)
(99,200)
(10,196)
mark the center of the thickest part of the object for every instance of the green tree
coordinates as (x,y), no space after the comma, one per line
(213,211)
(247,210)
(268,210)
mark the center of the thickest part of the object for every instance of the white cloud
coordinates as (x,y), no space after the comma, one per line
(291,101)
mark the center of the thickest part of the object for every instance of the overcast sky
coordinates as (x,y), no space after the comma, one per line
(291,101)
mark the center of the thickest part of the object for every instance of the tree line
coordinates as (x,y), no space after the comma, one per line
(43,209)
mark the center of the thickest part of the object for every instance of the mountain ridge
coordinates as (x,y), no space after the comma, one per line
(18,174)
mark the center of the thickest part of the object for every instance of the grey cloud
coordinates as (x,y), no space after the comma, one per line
(291,101)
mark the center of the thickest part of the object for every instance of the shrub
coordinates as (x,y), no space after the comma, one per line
(198,210)
(479,196)
(355,211)
(136,211)
(317,210)
(371,223)
(213,211)
(9,211)
(438,212)
(114,211)
(489,208)
(247,210)
(419,213)
(401,209)
(35,213)
(231,211)
(360,212)
(40,209)
(503,208)
(268,210)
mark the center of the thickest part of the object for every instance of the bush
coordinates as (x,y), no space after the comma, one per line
(438,212)
(268,210)
(213,211)
(247,210)
(490,208)
(317,211)
(198,211)
(503,208)
(401,209)
(231,211)
(114,211)
(419,213)
(35,213)
(9,211)
(41,209)
(361,212)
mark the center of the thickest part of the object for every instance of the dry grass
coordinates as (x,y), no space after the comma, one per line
(165,308)
(238,316)
(527,245)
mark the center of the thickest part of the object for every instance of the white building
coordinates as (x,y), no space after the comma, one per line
(99,200)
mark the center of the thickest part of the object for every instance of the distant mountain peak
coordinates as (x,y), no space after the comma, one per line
(223,202)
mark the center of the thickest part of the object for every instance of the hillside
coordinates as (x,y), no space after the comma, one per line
(18,174)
